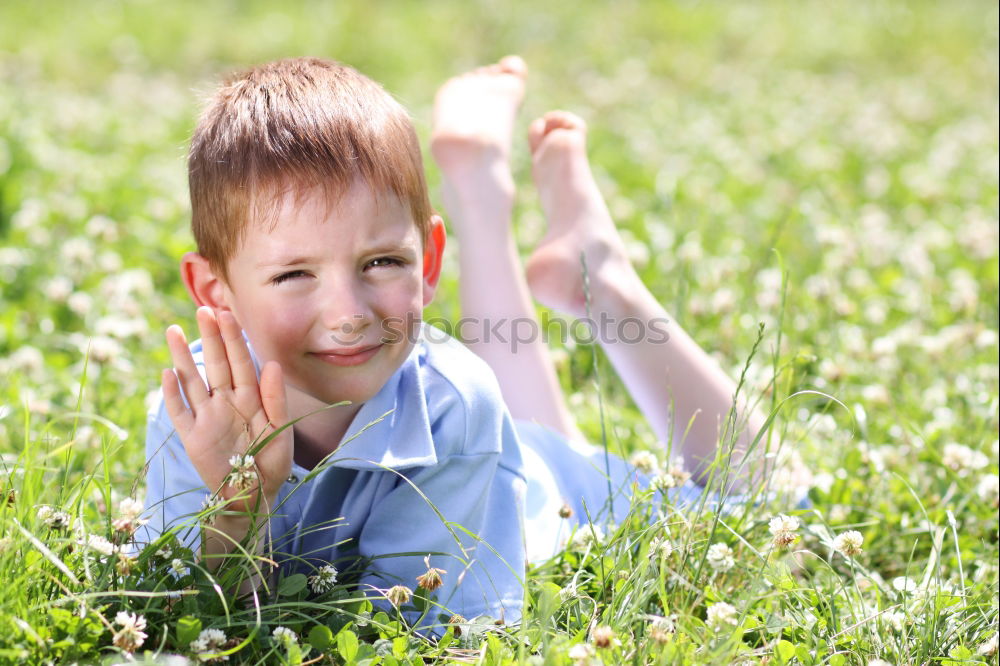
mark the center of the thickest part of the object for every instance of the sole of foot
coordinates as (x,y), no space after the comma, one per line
(474,116)
(579,224)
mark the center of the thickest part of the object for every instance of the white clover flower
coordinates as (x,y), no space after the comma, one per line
(80,302)
(101,545)
(324,579)
(783,529)
(27,359)
(178,567)
(645,461)
(77,250)
(986,338)
(895,619)
(431,579)
(661,628)
(961,459)
(132,634)
(673,476)
(128,519)
(164,552)
(58,289)
(568,592)
(53,519)
(720,557)
(989,647)
(848,543)
(244,474)
(103,349)
(581,653)
(660,547)
(719,614)
(103,227)
(586,536)
(823,481)
(988,489)
(125,563)
(879,662)
(875,393)
(130,508)
(210,505)
(397,595)
(603,636)
(209,641)
(117,326)
(135,281)
(125,619)
(839,513)
(284,635)
(904,584)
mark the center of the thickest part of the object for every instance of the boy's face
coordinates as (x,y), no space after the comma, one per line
(334,294)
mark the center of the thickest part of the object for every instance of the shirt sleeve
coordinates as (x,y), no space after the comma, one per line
(174,490)
(465,512)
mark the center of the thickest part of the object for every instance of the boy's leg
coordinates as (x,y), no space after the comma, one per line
(658,373)
(473,127)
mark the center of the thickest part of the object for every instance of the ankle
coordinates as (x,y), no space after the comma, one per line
(488,188)
(617,290)
(488,168)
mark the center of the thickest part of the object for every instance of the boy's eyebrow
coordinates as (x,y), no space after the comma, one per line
(289,262)
(388,247)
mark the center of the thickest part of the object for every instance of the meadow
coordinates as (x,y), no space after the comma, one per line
(812,190)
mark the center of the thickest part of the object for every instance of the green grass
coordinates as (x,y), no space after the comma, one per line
(846,150)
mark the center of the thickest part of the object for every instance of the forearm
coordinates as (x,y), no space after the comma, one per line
(227,538)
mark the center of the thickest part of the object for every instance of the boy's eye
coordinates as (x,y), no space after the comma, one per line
(287,276)
(382,262)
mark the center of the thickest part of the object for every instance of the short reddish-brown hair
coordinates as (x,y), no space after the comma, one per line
(294,125)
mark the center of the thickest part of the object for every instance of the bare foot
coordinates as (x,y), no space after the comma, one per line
(474,125)
(578,219)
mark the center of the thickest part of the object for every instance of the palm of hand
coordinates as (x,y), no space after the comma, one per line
(233,417)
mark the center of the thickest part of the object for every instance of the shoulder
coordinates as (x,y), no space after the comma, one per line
(451,364)
(462,392)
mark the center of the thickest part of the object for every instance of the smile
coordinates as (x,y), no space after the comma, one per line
(348,357)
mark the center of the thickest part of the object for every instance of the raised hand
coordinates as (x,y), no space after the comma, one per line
(224,420)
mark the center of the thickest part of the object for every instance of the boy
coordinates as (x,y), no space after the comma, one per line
(318,249)
(318,243)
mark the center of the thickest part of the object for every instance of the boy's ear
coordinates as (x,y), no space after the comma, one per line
(203,285)
(433,253)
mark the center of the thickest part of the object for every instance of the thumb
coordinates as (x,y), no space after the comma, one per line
(272,394)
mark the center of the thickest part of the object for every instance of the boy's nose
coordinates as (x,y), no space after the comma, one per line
(346,316)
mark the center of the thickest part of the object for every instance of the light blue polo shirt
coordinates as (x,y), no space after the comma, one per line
(432,464)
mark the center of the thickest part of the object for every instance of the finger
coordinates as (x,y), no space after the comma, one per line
(187,373)
(214,349)
(241,366)
(178,412)
(272,394)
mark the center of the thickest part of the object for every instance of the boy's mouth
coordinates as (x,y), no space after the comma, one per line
(348,356)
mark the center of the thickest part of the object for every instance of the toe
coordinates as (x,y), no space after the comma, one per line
(536,132)
(513,64)
(563,120)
